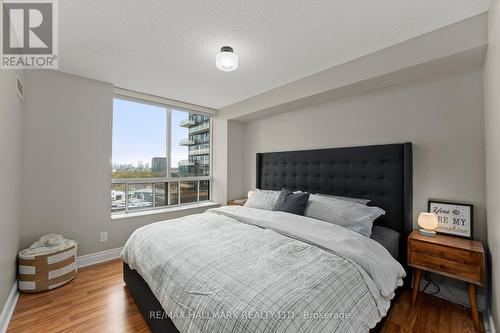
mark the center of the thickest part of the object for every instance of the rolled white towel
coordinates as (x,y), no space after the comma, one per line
(47,244)
(50,240)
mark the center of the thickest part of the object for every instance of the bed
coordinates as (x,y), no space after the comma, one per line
(268,271)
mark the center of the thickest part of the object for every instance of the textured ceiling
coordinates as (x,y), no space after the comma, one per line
(168,47)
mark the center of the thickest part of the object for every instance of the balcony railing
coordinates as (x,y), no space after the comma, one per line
(187,123)
(187,142)
(147,194)
(186,163)
(199,128)
(202,151)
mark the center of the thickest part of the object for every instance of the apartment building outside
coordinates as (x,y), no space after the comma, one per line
(198,143)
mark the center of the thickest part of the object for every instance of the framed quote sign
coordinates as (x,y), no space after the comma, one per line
(453,218)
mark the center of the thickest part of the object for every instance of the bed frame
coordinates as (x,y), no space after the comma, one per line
(381,173)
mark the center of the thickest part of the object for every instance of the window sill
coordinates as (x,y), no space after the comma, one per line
(120,216)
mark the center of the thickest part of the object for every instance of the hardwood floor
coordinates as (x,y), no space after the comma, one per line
(97,301)
(430,314)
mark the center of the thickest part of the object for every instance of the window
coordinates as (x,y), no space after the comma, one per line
(161,156)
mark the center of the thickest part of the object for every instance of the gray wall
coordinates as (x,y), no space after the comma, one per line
(67,163)
(227,160)
(219,159)
(235,162)
(10,166)
(442,116)
(492,135)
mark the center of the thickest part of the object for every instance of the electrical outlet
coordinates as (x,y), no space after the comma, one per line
(104,236)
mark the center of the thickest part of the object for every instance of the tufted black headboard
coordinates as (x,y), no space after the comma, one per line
(381,173)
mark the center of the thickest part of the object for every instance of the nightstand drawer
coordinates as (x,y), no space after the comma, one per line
(444,252)
(447,267)
(446,260)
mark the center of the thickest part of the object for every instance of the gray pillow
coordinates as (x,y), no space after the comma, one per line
(357,200)
(350,215)
(388,238)
(290,202)
(262,199)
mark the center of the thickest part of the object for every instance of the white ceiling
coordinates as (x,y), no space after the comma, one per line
(168,47)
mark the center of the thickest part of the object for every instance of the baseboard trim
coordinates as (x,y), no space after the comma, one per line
(8,308)
(98,257)
(489,324)
(480,300)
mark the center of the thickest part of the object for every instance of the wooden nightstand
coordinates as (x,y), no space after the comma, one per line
(453,257)
(236,202)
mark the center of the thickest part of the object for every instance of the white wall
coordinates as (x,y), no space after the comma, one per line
(10,166)
(443,117)
(492,135)
(67,163)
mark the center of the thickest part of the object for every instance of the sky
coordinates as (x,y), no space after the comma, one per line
(139,133)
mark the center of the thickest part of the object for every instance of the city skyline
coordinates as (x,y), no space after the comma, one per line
(147,124)
(138,164)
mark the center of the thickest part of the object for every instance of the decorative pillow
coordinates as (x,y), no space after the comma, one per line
(357,200)
(350,215)
(262,199)
(291,202)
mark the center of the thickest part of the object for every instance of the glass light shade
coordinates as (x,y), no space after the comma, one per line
(249,194)
(428,221)
(226,61)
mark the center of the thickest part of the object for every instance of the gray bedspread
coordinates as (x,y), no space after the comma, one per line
(227,271)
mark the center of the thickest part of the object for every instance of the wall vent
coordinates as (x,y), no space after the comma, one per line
(19,88)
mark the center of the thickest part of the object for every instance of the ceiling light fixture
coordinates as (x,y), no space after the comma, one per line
(226,60)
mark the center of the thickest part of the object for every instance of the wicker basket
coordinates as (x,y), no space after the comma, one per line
(47,271)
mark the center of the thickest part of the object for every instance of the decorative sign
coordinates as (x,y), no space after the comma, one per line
(453,218)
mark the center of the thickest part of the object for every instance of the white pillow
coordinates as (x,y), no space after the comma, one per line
(350,215)
(262,199)
(357,200)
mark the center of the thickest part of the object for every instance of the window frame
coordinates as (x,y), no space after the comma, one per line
(169,107)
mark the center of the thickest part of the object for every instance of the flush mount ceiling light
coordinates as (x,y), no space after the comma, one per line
(226,60)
